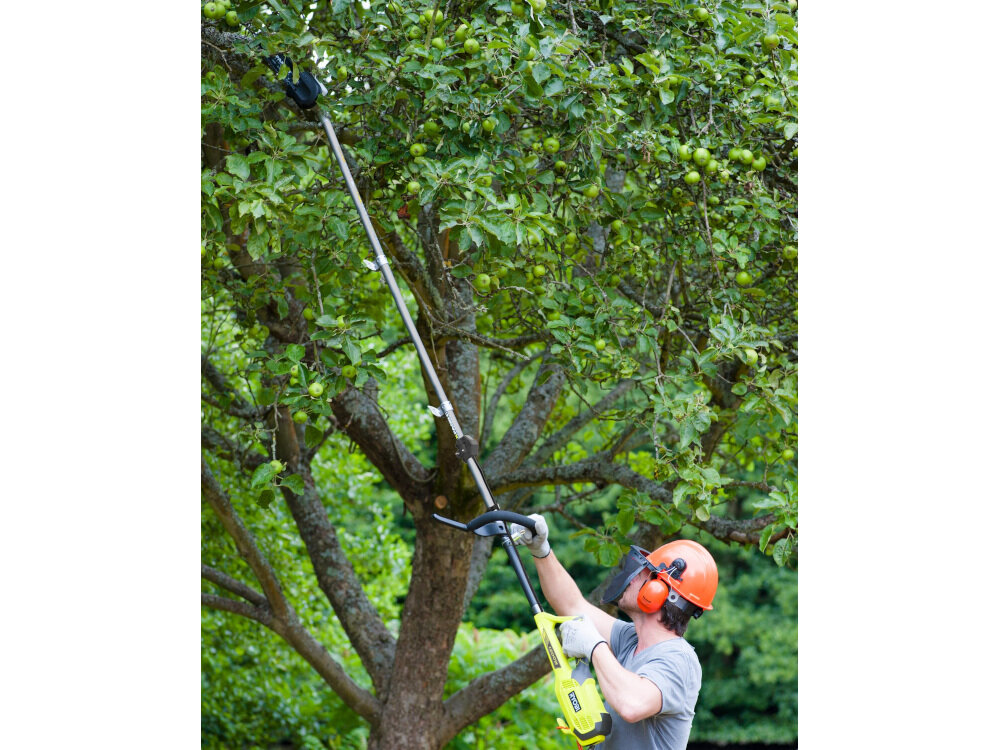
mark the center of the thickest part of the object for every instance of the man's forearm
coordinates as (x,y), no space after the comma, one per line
(559,588)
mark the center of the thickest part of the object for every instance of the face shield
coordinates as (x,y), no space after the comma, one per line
(632,563)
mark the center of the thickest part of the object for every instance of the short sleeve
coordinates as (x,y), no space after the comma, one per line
(621,634)
(670,675)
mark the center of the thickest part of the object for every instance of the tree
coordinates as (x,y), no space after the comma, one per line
(593,210)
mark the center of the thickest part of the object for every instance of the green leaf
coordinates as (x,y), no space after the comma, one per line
(252,75)
(680,491)
(702,513)
(651,63)
(295,483)
(499,226)
(782,551)
(353,351)
(295,352)
(626,517)
(265,497)
(237,165)
(540,72)
(262,475)
(339,228)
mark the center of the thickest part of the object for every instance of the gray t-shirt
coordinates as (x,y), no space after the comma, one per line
(674,668)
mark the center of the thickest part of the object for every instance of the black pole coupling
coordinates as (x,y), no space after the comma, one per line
(305,90)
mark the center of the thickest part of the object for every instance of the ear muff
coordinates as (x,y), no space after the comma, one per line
(652,595)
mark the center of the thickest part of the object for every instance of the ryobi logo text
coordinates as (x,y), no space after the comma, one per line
(552,652)
(574,701)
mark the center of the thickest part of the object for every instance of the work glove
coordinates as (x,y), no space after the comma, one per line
(538,542)
(579,637)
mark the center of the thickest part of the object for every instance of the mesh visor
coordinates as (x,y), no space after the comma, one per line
(631,564)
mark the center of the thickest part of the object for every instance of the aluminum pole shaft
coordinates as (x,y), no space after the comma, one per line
(446,409)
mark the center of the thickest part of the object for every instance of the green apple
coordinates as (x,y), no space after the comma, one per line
(349,371)
(692,178)
(413,187)
(591,191)
(482,282)
(489,124)
(600,345)
(551,145)
(277,465)
(300,417)
(744,279)
(471,46)
(315,390)
(701,156)
(684,152)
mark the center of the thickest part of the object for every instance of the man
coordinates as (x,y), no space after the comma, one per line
(649,674)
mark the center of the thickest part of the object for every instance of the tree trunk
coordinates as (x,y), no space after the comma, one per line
(414,712)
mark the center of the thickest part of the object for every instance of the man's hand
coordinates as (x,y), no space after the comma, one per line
(538,542)
(579,637)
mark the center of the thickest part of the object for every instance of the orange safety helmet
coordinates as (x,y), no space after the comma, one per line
(686,576)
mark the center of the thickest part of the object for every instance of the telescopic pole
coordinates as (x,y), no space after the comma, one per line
(304,92)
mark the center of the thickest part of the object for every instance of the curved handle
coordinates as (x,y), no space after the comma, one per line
(501,515)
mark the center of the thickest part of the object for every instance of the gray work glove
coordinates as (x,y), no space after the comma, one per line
(538,542)
(579,637)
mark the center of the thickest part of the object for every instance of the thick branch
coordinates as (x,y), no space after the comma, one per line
(223,447)
(489,691)
(245,543)
(527,426)
(746,531)
(233,586)
(498,393)
(238,407)
(339,583)
(236,607)
(560,438)
(361,419)
(359,700)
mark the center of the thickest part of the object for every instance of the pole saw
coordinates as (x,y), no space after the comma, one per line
(576,690)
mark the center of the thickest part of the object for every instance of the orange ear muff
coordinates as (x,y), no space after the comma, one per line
(652,595)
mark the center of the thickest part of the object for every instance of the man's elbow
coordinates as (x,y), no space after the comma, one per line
(634,711)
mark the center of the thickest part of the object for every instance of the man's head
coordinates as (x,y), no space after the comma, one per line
(678,580)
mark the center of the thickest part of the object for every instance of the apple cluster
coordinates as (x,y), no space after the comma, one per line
(216,9)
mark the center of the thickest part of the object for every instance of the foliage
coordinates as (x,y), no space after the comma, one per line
(595,202)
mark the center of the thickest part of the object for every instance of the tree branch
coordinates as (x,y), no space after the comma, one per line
(238,406)
(224,448)
(245,543)
(498,393)
(225,604)
(746,531)
(357,699)
(560,438)
(362,421)
(339,583)
(527,426)
(233,586)
(488,692)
